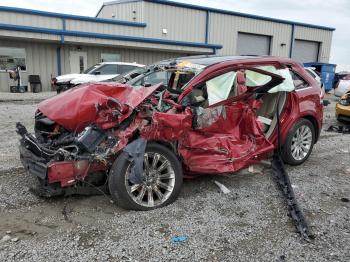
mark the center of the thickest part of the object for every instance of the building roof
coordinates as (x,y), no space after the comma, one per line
(221,11)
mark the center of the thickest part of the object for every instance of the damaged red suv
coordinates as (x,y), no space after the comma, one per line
(185,117)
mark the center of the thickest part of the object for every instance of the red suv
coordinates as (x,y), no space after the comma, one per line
(190,116)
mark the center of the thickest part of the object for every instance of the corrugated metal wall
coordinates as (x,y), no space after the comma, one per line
(127,11)
(181,23)
(224,29)
(40,60)
(317,35)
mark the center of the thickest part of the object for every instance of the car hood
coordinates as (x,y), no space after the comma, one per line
(77,107)
(69,77)
(82,79)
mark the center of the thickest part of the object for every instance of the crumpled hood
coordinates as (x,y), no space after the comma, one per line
(76,108)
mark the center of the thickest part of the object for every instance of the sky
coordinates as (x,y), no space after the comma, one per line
(335,13)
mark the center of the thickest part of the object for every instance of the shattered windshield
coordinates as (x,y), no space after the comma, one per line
(174,75)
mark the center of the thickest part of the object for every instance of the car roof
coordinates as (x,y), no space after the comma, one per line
(208,60)
(121,63)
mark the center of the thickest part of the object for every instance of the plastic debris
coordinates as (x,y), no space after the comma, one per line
(256,169)
(15,239)
(5,238)
(177,239)
(223,188)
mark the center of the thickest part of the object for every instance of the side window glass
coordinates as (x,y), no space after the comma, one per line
(157,77)
(298,82)
(221,87)
(108,70)
(125,68)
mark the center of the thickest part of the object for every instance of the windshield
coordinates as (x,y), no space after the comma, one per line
(91,69)
(172,75)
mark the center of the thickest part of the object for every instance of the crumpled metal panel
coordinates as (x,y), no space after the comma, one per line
(218,139)
(76,108)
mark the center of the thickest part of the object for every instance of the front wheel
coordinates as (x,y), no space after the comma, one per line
(162,180)
(299,143)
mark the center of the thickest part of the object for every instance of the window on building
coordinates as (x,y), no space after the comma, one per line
(109,57)
(11,57)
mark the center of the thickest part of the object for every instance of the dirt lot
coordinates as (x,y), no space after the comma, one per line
(249,224)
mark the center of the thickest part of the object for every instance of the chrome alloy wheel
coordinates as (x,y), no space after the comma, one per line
(301,142)
(158,184)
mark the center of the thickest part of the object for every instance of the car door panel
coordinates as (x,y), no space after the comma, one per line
(223,139)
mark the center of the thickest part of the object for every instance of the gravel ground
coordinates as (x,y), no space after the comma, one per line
(249,224)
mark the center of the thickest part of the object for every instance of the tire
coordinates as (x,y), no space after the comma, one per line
(296,151)
(125,193)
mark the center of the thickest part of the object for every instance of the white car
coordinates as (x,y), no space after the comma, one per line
(98,73)
(343,84)
(317,77)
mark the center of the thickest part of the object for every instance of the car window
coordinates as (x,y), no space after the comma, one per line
(299,82)
(122,69)
(154,78)
(91,69)
(221,87)
(107,70)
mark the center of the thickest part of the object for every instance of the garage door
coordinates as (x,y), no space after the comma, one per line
(252,44)
(305,51)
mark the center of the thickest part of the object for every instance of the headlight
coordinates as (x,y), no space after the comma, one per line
(344,102)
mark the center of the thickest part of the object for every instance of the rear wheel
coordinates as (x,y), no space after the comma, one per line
(299,143)
(161,183)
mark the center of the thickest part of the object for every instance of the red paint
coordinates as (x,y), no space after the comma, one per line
(223,138)
(76,108)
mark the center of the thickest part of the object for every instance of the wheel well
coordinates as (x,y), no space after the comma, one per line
(314,123)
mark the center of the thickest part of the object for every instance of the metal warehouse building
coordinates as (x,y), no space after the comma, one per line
(144,31)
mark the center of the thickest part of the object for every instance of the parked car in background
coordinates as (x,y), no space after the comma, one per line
(342,84)
(100,72)
(342,109)
(312,71)
(209,115)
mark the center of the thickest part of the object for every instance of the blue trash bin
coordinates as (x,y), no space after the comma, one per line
(327,73)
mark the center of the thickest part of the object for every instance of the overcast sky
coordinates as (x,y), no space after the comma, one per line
(335,13)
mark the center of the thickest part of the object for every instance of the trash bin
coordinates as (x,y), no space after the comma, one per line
(327,73)
(35,83)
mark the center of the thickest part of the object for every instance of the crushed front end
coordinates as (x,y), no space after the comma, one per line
(73,148)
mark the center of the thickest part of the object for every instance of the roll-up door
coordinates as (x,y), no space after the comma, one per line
(253,44)
(305,51)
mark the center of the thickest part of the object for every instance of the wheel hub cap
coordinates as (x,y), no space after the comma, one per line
(301,143)
(159,181)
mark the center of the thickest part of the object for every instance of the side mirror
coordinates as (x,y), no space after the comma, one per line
(97,73)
